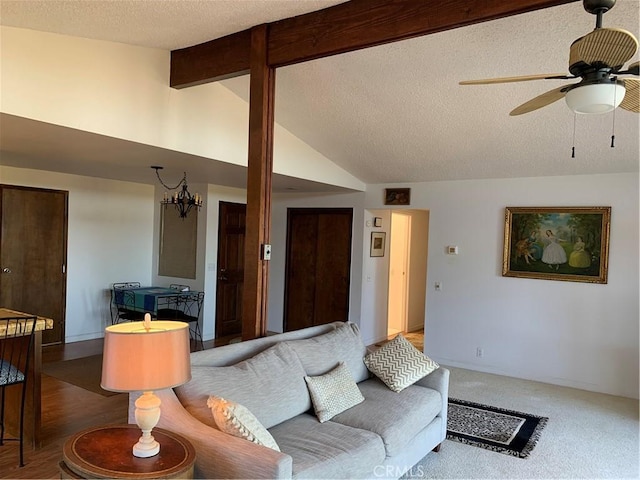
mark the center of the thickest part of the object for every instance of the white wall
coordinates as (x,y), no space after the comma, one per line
(110,234)
(123,91)
(575,334)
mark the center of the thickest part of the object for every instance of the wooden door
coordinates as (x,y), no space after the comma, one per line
(231,232)
(33,254)
(318,267)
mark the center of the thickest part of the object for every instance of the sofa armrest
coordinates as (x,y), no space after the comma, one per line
(218,455)
(439,380)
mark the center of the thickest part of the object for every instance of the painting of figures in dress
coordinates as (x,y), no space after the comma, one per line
(557,243)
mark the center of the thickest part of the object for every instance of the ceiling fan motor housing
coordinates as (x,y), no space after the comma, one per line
(598,6)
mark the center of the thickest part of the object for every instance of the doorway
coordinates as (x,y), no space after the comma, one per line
(230,272)
(399,251)
(33,254)
(407,277)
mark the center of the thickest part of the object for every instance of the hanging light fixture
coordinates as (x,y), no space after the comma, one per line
(595,98)
(181,199)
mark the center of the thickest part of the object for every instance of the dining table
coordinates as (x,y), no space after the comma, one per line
(33,401)
(151,299)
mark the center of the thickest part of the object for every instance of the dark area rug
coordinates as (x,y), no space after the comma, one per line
(83,372)
(497,429)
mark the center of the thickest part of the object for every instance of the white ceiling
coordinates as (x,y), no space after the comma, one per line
(388,114)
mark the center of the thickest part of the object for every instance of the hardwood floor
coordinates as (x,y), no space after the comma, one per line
(66,409)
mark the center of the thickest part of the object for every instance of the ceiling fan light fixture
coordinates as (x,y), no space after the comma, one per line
(596,98)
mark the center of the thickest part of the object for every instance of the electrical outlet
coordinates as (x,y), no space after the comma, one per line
(479,352)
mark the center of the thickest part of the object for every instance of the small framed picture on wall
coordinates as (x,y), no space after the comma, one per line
(397,196)
(377,244)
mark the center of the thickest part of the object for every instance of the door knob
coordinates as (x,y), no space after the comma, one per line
(6,270)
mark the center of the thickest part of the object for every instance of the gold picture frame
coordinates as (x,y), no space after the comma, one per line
(557,243)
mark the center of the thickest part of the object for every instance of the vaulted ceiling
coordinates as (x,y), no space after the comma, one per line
(387,114)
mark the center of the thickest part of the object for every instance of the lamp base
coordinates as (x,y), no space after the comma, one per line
(147,415)
(146,447)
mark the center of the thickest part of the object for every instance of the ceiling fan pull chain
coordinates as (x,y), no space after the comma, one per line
(573,148)
(613,127)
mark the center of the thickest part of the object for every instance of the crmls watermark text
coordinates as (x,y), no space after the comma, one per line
(394,471)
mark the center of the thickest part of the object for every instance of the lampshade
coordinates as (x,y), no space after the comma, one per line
(596,98)
(140,359)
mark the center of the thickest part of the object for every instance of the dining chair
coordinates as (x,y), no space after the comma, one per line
(123,303)
(191,310)
(16,337)
(184,307)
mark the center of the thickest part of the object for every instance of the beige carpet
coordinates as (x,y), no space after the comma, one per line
(588,435)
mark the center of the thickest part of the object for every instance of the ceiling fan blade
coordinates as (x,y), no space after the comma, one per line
(631,99)
(524,78)
(540,101)
(611,46)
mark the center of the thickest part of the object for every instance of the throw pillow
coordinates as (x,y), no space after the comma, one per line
(236,420)
(333,393)
(399,364)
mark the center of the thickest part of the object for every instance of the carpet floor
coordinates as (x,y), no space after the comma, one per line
(588,436)
(83,372)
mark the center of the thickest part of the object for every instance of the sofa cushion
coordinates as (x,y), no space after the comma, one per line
(328,450)
(270,384)
(323,353)
(333,393)
(399,364)
(237,420)
(396,417)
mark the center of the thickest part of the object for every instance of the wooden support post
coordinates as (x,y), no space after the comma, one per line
(258,220)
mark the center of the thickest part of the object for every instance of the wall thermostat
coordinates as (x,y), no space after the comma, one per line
(452,250)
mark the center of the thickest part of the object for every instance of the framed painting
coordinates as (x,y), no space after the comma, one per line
(397,196)
(377,244)
(557,243)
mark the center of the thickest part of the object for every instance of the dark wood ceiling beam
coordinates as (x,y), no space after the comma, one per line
(342,28)
(212,61)
(361,24)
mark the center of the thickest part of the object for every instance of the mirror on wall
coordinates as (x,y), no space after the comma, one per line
(178,240)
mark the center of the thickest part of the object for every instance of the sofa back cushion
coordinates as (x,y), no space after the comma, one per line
(270,384)
(237,352)
(324,352)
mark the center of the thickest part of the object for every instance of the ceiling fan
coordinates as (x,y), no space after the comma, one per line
(597,59)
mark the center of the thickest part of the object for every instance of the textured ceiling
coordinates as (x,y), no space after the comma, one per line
(396,113)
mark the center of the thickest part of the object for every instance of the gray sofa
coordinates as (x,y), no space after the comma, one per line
(382,437)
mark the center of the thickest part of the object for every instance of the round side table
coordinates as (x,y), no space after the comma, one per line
(105,452)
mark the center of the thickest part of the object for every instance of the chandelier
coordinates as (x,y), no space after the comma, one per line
(181,199)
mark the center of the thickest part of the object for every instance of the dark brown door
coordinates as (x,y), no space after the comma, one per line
(33,254)
(318,267)
(231,233)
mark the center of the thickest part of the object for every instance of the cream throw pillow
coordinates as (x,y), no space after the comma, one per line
(399,364)
(236,420)
(333,393)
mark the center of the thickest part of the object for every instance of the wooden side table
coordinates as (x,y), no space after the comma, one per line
(105,452)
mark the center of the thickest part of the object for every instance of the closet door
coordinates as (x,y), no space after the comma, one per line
(318,267)
(33,254)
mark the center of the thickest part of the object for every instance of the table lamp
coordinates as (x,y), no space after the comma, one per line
(146,356)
